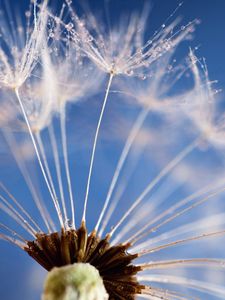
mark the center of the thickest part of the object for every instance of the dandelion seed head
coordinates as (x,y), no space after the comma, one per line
(113,56)
(62,80)
(202,104)
(20,50)
(151,228)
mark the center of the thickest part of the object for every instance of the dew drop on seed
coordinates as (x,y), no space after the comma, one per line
(20,29)
(90,38)
(130,72)
(167,46)
(69,223)
(28,14)
(57,20)
(81,23)
(69,26)
(142,77)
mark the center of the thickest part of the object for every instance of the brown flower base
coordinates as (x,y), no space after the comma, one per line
(72,246)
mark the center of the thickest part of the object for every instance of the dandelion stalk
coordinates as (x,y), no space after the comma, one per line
(137,125)
(45,161)
(95,143)
(40,205)
(172,164)
(55,64)
(66,162)
(58,169)
(38,157)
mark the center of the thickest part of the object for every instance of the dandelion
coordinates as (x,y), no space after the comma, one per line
(112,56)
(146,211)
(203,107)
(116,58)
(20,48)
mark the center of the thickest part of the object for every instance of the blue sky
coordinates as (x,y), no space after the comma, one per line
(17,268)
(209,34)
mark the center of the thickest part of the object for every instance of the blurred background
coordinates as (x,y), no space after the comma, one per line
(21,277)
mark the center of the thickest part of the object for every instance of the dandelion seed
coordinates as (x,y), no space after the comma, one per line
(19,54)
(203,106)
(127,253)
(112,56)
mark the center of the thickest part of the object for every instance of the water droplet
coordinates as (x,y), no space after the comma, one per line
(69,26)
(167,45)
(89,39)
(69,223)
(20,29)
(142,76)
(28,14)
(51,34)
(81,23)
(129,72)
(163,26)
(57,20)
(182,27)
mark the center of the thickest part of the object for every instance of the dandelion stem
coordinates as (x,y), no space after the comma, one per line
(164,193)
(12,240)
(38,156)
(45,161)
(36,197)
(182,241)
(134,131)
(95,143)
(13,232)
(217,220)
(58,169)
(11,211)
(20,207)
(172,164)
(143,231)
(192,262)
(213,289)
(66,162)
